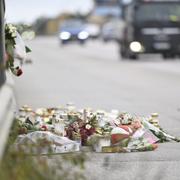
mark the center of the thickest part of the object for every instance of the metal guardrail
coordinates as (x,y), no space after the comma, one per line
(2,44)
(7,109)
(7,100)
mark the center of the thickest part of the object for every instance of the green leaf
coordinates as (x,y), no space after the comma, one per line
(27,49)
(10,49)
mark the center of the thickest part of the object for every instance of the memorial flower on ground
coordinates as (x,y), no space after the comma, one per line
(122,133)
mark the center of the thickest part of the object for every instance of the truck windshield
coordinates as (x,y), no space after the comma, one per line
(158,12)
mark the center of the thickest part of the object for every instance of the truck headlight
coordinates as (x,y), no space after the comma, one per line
(136,46)
(83,35)
(65,35)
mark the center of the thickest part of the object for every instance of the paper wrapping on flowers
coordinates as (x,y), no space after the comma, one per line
(142,139)
(20,48)
(45,142)
(113,131)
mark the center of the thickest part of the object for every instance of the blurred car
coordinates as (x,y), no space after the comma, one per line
(93,30)
(112,30)
(107,10)
(73,30)
(152,27)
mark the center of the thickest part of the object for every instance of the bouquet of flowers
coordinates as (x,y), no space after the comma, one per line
(11,39)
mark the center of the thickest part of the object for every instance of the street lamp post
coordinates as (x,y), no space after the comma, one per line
(2,42)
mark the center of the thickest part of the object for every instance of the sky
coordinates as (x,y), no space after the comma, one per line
(28,10)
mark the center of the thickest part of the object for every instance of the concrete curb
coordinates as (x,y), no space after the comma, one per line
(7,109)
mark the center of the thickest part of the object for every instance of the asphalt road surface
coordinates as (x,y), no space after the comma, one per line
(94,76)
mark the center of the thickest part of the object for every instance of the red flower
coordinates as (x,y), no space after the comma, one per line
(17,71)
(85,133)
(44,128)
(84,136)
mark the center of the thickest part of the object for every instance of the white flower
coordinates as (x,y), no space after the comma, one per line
(11,30)
(13,35)
(88,126)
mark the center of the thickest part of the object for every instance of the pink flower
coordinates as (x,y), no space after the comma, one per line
(44,128)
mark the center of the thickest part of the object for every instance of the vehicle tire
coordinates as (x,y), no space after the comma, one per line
(168,55)
(82,42)
(133,57)
(125,54)
(63,43)
(122,54)
(105,40)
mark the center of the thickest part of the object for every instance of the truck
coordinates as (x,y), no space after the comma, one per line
(151,26)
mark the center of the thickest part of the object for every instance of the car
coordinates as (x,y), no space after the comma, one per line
(112,30)
(151,27)
(73,30)
(93,30)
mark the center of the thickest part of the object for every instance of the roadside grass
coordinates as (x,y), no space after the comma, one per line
(18,165)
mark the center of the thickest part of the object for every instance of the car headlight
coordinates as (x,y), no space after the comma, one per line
(65,35)
(136,46)
(83,35)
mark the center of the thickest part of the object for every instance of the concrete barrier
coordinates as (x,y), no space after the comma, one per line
(7,110)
